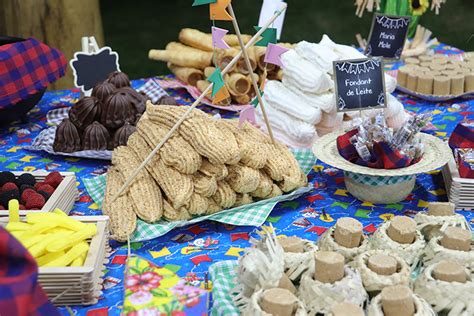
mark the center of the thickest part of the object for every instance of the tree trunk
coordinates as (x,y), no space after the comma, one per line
(58,23)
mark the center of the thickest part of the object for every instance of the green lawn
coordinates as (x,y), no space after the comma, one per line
(133,27)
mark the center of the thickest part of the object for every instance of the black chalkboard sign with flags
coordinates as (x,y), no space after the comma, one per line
(387,36)
(360,84)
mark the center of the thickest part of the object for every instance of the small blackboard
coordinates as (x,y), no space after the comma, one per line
(387,36)
(360,84)
(92,68)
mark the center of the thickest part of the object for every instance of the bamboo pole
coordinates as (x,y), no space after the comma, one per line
(252,42)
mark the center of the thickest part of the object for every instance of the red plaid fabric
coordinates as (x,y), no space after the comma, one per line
(20,292)
(462,137)
(27,67)
(383,156)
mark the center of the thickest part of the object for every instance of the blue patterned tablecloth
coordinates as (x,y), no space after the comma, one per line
(190,250)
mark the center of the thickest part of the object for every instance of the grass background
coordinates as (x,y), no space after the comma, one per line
(133,27)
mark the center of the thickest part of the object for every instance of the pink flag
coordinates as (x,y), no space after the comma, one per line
(247,114)
(274,53)
(218,38)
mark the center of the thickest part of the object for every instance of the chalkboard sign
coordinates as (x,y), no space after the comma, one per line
(387,36)
(92,68)
(360,84)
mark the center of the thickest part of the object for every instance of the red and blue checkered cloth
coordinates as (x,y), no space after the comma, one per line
(27,67)
(382,155)
(462,137)
(20,292)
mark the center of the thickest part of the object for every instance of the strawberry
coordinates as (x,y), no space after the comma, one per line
(22,207)
(53,179)
(38,184)
(26,194)
(45,188)
(9,186)
(34,201)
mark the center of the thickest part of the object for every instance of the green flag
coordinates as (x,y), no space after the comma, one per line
(255,100)
(202,2)
(217,80)
(268,36)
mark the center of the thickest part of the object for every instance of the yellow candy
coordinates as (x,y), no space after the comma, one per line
(39,228)
(49,257)
(30,241)
(59,220)
(17,234)
(40,248)
(14,211)
(70,255)
(79,261)
(60,230)
(17,226)
(59,212)
(89,231)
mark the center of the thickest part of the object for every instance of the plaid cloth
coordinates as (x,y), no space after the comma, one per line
(27,67)
(20,292)
(253,214)
(153,90)
(223,276)
(382,155)
(462,137)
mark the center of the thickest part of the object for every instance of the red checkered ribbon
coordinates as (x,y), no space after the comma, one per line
(383,156)
(20,292)
(27,67)
(462,138)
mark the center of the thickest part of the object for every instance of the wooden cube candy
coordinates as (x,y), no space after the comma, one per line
(402,229)
(398,301)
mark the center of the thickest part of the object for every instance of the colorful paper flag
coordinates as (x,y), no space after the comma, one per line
(268,36)
(247,114)
(273,54)
(255,100)
(218,37)
(218,12)
(222,94)
(202,2)
(217,80)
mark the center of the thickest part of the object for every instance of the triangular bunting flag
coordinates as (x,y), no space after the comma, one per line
(218,38)
(217,80)
(268,36)
(202,2)
(247,114)
(221,95)
(255,100)
(218,12)
(273,54)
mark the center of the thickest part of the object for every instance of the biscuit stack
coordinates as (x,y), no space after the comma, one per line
(437,75)
(208,165)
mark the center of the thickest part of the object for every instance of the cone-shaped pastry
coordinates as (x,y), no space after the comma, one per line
(238,84)
(182,58)
(117,110)
(186,74)
(67,139)
(196,38)
(241,64)
(224,57)
(102,90)
(119,79)
(96,137)
(176,46)
(84,112)
(122,134)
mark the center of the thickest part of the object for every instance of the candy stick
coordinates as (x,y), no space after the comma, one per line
(249,67)
(252,42)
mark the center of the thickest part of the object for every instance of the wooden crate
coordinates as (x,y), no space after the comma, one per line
(78,285)
(460,191)
(63,197)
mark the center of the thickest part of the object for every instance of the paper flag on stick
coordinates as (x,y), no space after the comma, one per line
(268,9)
(217,10)
(273,54)
(202,2)
(218,38)
(222,94)
(268,36)
(217,80)
(255,100)
(247,114)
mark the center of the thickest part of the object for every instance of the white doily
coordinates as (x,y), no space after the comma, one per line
(297,263)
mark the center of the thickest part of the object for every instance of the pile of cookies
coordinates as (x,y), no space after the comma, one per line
(208,165)
(194,57)
(437,75)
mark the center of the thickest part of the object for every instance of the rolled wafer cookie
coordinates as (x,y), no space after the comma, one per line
(243,199)
(204,185)
(177,187)
(186,74)
(265,186)
(197,205)
(172,214)
(123,219)
(242,179)
(182,58)
(242,99)
(177,46)
(196,38)
(149,209)
(237,84)
(223,57)
(219,172)
(241,64)
(225,197)
(198,129)
(176,152)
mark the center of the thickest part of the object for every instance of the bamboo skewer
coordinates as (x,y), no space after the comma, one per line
(252,42)
(249,67)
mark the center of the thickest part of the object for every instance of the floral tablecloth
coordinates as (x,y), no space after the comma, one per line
(190,250)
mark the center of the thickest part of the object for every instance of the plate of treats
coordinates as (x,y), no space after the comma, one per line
(437,77)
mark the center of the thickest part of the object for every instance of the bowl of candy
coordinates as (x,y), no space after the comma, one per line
(380,164)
